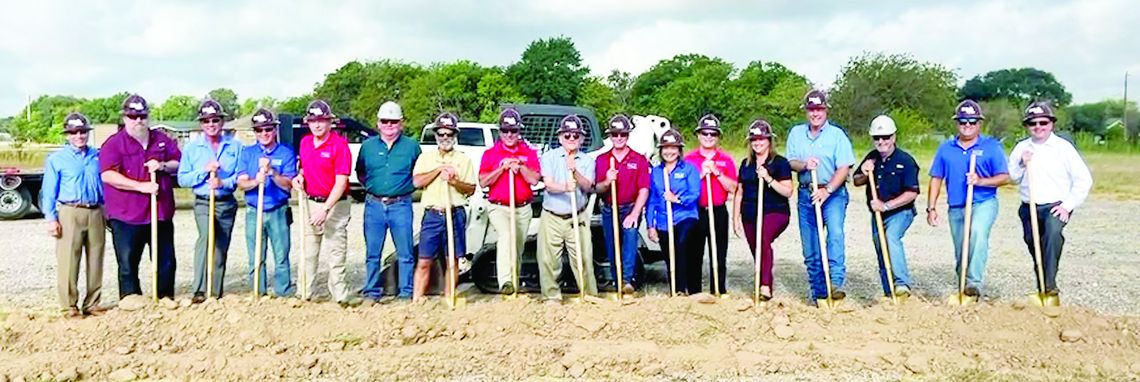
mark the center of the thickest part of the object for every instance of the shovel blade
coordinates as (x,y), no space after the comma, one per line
(961,299)
(823,303)
(1042,299)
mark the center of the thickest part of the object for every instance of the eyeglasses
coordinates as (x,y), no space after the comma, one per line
(445,135)
(1037,123)
(264,130)
(710,134)
(881,137)
(968,121)
(571,136)
(137,117)
(76,132)
(211,120)
(619,135)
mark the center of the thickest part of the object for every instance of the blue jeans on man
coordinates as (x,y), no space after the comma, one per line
(983,215)
(895,227)
(834,213)
(628,241)
(380,217)
(275,232)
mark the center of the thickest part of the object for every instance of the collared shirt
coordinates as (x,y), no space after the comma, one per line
(71,175)
(499,190)
(554,169)
(387,171)
(197,153)
(894,175)
(633,174)
(727,167)
(123,154)
(952,163)
(435,194)
(1059,174)
(323,163)
(779,169)
(832,147)
(281,159)
(685,182)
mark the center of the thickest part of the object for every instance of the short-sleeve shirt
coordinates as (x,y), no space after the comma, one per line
(894,175)
(633,174)
(831,146)
(281,159)
(554,169)
(123,154)
(323,163)
(500,190)
(779,169)
(952,163)
(387,171)
(727,167)
(435,193)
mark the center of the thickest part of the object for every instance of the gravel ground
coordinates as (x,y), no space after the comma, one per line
(1098,270)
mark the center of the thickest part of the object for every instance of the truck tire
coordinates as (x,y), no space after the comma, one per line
(14,204)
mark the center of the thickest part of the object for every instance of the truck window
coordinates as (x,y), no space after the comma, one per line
(468,136)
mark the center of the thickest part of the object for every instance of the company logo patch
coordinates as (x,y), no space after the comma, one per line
(316,111)
(968,110)
(135,106)
(209,110)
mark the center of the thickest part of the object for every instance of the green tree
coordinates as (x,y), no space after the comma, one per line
(698,91)
(622,85)
(550,71)
(383,81)
(341,87)
(600,97)
(872,84)
(452,87)
(1021,86)
(178,108)
(228,99)
(494,90)
(295,105)
(250,105)
(104,110)
(764,90)
(46,122)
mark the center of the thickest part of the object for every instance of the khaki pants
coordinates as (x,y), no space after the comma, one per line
(83,236)
(507,262)
(334,234)
(554,233)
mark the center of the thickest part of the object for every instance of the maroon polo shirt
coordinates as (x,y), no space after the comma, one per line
(633,174)
(125,155)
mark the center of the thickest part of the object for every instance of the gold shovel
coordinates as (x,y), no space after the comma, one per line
(514,238)
(617,233)
(577,240)
(760,188)
(672,239)
(258,240)
(712,241)
(1039,298)
(153,239)
(452,290)
(828,302)
(961,298)
(210,242)
(303,206)
(883,240)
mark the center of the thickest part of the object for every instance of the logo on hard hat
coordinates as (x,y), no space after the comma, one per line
(260,118)
(509,120)
(209,110)
(316,111)
(618,125)
(669,138)
(710,122)
(135,105)
(1035,110)
(815,100)
(446,121)
(572,124)
(969,110)
(75,122)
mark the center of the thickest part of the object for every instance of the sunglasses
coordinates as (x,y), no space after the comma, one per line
(709,134)
(509,132)
(619,135)
(137,117)
(572,136)
(389,121)
(1037,123)
(968,121)
(264,130)
(76,132)
(211,120)
(881,137)
(445,135)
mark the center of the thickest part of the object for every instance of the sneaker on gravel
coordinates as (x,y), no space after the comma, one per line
(902,291)
(507,288)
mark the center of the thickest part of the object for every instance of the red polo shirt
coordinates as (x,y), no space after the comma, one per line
(724,163)
(633,174)
(500,190)
(324,162)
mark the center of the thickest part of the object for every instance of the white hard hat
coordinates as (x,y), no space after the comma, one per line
(882,125)
(390,111)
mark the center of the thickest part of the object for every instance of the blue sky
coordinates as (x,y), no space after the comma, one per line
(281,48)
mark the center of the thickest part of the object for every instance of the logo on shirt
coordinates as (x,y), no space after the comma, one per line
(679,176)
(275,162)
(326,154)
(631,166)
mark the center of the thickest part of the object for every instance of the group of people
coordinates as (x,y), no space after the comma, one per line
(682,200)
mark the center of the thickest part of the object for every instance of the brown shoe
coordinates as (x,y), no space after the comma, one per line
(628,289)
(97,310)
(73,313)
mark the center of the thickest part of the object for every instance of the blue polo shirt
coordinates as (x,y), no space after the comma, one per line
(281,159)
(197,153)
(685,182)
(952,162)
(387,171)
(831,146)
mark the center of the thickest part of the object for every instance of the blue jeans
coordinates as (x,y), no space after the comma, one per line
(378,219)
(628,242)
(983,216)
(275,230)
(834,213)
(895,227)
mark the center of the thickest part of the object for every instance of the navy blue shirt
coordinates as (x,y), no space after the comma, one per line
(894,175)
(779,169)
(281,159)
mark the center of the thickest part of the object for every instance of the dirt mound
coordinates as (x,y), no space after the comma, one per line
(650,338)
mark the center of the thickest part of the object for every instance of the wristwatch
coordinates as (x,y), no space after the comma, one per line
(929,209)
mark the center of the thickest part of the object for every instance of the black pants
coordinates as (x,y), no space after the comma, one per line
(720,219)
(1049,227)
(686,253)
(129,241)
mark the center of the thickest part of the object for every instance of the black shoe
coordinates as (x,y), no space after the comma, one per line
(507,288)
(1053,292)
(198,298)
(972,291)
(838,295)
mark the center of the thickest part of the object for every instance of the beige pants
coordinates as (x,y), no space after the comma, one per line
(83,236)
(505,261)
(554,233)
(334,234)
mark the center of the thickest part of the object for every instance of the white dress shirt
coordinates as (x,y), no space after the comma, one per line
(1058,172)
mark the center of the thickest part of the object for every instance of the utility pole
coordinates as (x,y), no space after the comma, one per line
(1124,114)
